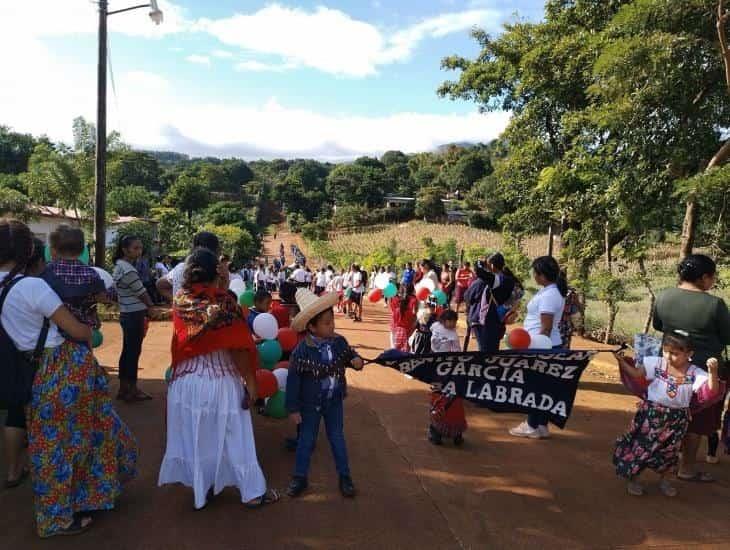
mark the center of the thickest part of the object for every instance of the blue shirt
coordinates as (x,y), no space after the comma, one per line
(408,275)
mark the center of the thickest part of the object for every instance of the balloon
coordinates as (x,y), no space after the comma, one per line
(84,258)
(246,298)
(281,314)
(519,338)
(97,338)
(270,353)
(440,297)
(265,326)
(237,286)
(390,290)
(282,365)
(276,406)
(288,338)
(382,280)
(47,253)
(108,280)
(375,295)
(266,385)
(428,283)
(541,341)
(423,294)
(281,376)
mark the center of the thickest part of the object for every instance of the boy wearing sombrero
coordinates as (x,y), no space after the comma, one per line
(316,386)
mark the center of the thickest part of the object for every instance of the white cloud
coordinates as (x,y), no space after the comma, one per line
(222,54)
(258,67)
(330,40)
(198,59)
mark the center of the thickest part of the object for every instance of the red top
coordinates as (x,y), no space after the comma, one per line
(407,320)
(464,277)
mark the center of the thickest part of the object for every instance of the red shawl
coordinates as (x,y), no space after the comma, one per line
(207,319)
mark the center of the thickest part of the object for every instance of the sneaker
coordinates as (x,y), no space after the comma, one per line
(525,430)
(635,489)
(297,486)
(544,432)
(667,489)
(711,459)
(347,488)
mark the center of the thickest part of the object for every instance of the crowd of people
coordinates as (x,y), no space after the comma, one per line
(80,453)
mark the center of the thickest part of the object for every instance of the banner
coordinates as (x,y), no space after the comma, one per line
(506,381)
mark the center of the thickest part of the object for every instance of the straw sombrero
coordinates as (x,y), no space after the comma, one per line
(310,305)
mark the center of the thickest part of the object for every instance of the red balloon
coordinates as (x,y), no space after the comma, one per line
(281,313)
(519,338)
(423,294)
(375,295)
(266,383)
(281,365)
(288,338)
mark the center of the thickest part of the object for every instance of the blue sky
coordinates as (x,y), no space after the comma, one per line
(331,80)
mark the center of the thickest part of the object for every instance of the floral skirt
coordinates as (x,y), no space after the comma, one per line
(653,440)
(448,416)
(79,448)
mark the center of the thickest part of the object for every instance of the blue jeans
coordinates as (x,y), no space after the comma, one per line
(333,413)
(535,419)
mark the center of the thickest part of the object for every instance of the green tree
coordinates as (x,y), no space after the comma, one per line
(134,168)
(15,151)
(188,194)
(142,229)
(14,204)
(363,182)
(429,204)
(131,200)
(175,230)
(236,242)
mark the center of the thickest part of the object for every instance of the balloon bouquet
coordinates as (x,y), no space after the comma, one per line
(519,339)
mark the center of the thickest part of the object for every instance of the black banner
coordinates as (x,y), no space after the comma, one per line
(507,381)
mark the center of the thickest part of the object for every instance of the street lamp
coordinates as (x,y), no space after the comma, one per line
(100,180)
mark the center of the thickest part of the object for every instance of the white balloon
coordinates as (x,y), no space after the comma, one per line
(540,341)
(281,375)
(237,286)
(265,326)
(382,280)
(108,280)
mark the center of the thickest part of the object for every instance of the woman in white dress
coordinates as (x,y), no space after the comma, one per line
(210,439)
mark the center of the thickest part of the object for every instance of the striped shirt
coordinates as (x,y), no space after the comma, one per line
(129,287)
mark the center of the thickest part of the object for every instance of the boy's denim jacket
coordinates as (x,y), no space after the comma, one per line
(306,371)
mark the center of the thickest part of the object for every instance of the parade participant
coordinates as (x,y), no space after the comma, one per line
(133,310)
(447,282)
(420,340)
(299,276)
(261,304)
(655,435)
(316,387)
(544,312)
(464,277)
(210,439)
(403,309)
(320,281)
(408,275)
(80,451)
(429,272)
(447,415)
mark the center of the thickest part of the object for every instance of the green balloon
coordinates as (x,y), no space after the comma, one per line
(97,338)
(270,352)
(168,375)
(246,298)
(46,253)
(84,258)
(276,405)
(440,296)
(390,290)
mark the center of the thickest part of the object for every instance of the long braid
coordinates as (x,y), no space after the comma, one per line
(16,245)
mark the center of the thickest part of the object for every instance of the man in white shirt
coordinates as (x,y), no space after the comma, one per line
(320,281)
(299,276)
(260,278)
(358,288)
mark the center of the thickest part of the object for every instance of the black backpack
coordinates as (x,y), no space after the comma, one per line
(18,368)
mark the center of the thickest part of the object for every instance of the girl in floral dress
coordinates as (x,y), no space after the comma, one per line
(655,435)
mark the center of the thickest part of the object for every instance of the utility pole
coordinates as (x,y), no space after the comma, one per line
(100,180)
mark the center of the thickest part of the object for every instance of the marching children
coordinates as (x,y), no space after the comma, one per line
(420,341)
(655,435)
(316,387)
(447,415)
(261,304)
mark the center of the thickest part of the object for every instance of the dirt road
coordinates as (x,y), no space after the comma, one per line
(495,492)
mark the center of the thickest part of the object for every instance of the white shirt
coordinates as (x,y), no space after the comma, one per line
(321,280)
(236,276)
(307,276)
(161,269)
(329,274)
(260,276)
(444,340)
(435,278)
(337,283)
(347,279)
(357,285)
(299,275)
(547,301)
(662,384)
(28,303)
(175,277)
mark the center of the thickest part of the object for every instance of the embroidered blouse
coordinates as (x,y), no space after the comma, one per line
(669,391)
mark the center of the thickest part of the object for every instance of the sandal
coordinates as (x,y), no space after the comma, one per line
(269,497)
(697,477)
(78,525)
(13,483)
